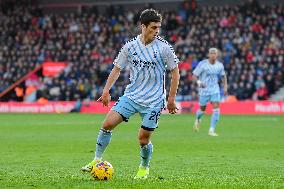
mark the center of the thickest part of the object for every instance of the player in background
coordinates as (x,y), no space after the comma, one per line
(206,74)
(148,57)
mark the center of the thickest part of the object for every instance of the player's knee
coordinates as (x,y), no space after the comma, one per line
(108,125)
(203,108)
(143,140)
(215,105)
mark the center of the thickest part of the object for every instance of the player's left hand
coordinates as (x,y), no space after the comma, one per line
(171,106)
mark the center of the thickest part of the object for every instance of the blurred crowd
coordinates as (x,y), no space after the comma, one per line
(250,37)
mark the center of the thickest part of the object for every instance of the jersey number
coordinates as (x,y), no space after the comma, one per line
(155,116)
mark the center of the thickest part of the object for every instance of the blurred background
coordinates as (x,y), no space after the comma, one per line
(59,50)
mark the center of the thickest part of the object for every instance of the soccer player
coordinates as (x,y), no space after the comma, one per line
(148,57)
(207,74)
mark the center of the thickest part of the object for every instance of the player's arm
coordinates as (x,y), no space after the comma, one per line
(173,90)
(119,63)
(225,83)
(194,78)
(172,64)
(196,72)
(113,76)
(199,83)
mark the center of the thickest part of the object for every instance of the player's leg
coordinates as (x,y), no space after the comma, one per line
(146,146)
(112,119)
(215,99)
(121,111)
(149,124)
(146,151)
(203,100)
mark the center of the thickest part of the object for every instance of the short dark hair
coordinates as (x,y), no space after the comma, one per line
(150,15)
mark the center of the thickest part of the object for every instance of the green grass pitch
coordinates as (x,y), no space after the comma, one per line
(48,150)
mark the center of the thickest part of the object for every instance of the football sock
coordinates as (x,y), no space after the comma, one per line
(214,119)
(199,114)
(102,142)
(146,154)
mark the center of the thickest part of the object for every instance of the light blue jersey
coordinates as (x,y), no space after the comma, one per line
(147,65)
(209,74)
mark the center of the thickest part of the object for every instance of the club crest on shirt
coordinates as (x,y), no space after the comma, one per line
(155,54)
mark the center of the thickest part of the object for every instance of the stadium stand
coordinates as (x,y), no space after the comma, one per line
(250,37)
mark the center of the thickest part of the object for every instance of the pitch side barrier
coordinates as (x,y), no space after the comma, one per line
(241,107)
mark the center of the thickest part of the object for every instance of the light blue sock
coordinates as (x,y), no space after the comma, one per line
(102,142)
(146,154)
(214,119)
(199,114)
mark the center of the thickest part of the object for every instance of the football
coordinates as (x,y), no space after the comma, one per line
(102,171)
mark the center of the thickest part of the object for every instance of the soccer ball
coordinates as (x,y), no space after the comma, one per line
(102,171)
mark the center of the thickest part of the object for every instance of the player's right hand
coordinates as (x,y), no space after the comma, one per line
(105,99)
(226,92)
(171,106)
(200,84)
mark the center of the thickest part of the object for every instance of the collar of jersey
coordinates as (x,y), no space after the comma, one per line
(148,45)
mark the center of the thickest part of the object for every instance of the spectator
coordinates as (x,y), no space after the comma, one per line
(248,35)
